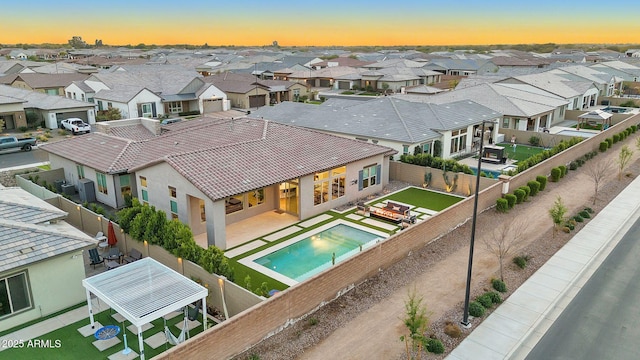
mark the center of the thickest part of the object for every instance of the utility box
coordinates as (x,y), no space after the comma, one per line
(68,189)
(86,190)
(58,184)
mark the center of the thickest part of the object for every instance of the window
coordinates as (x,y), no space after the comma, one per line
(338,182)
(505,123)
(125,184)
(14,294)
(562,110)
(109,105)
(51,91)
(175,106)
(426,148)
(102,183)
(172,192)
(405,149)
(147,110)
(321,188)
(68,95)
(80,170)
(174,209)
(143,181)
(100,105)
(368,176)
(458,141)
(234,204)
(255,197)
(82,96)
(203,215)
(145,196)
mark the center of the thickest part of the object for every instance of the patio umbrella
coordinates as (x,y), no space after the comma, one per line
(111,235)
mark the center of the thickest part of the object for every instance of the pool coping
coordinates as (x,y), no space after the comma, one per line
(248,260)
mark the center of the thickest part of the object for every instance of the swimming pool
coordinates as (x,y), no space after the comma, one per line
(308,254)
(490,173)
(576,133)
(614,109)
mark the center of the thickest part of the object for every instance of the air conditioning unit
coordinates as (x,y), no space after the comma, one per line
(58,184)
(68,189)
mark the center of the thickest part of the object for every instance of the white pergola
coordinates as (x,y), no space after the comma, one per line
(597,116)
(143,291)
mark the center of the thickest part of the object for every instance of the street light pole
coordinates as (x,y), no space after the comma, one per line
(465,318)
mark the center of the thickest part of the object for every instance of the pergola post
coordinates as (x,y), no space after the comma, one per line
(204,313)
(90,307)
(140,343)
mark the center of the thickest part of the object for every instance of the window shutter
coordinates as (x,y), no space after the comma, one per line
(139,110)
(360,180)
(153,109)
(379,174)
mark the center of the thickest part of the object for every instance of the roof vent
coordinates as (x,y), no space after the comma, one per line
(27,250)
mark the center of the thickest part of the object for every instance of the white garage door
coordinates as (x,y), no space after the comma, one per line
(212,105)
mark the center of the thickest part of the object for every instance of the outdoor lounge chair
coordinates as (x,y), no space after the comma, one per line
(133,256)
(95,257)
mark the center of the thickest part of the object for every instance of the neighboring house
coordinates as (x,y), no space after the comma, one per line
(210,173)
(460,67)
(12,113)
(407,127)
(50,84)
(607,84)
(41,266)
(341,61)
(244,91)
(131,101)
(522,107)
(627,72)
(49,109)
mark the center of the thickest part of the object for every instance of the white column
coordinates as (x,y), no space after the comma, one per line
(140,343)
(90,307)
(204,313)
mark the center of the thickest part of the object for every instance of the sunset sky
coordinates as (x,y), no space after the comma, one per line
(328,22)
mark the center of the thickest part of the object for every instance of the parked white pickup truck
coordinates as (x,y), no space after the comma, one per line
(75,125)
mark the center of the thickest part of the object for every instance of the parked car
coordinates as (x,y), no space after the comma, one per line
(12,142)
(75,125)
(170,121)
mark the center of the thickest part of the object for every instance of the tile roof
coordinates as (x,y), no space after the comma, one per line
(39,81)
(207,152)
(42,101)
(29,232)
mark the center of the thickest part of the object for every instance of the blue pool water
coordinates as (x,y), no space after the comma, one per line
(490,173)
(309,256)
(576,133)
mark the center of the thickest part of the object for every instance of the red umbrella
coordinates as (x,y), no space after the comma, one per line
(111,235)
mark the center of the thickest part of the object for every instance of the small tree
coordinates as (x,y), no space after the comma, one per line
(557,213)
(598,172)
(506,237)
(416,320)
(624,157)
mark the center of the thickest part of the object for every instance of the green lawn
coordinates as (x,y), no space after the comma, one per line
(72,345)
(521,152)
(412,195)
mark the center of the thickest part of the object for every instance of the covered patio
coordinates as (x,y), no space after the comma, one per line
(143,291)
(594,118)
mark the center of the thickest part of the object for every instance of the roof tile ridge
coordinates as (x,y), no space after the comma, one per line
(111,167)
(435,113)
(404,125)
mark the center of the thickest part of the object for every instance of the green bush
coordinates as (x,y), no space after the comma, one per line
(603,146)
(609,142)
(495,297)
(543,182)
(563,170)
(616,138)
(578,218)
(534,141)
(502,205)
(527,191)
(476,309)
(511,199)
(573,165)
(519,194)
(570,226)
(556,174)
(434,346)
(499,285)
(589,210)
(534,186)
(485,300)
(585,214)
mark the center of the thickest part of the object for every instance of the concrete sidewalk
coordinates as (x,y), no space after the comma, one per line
(516,326)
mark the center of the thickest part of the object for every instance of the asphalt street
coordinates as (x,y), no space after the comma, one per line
(603,320)
(12,158)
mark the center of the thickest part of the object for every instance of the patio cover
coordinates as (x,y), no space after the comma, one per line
(596,116)
(143,291)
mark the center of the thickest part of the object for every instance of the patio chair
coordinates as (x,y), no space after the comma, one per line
(134,255)
(95,257)
(193,312)
(114,254)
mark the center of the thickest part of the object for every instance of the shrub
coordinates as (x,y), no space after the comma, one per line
(476,309)
(563,170)
(578,218)
(434,346)
(23,128)
(527,191)
(589,210)
(616,138)
(511,199)
(521,261)
(603,146)
(313,321)
(570,226)
(534,141)
(452,330)
(519,194)
(502,205)
(584,214)
(534,186)
(499,285)
(485,300)
(555,174)
(495,297)
(543,182)
(609,142)
(566,229)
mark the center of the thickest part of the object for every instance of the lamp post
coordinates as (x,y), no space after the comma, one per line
(224,303)
(465,318)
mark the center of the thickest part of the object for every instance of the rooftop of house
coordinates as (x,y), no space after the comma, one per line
(40,81)
(38,100)
(31,230)
(207,152)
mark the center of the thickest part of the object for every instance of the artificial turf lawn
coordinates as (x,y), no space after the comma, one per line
(521,152)
(72,345)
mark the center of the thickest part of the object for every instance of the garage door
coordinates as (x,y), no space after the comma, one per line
(325,83)
(257,100)
(212,105)
(343,85)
